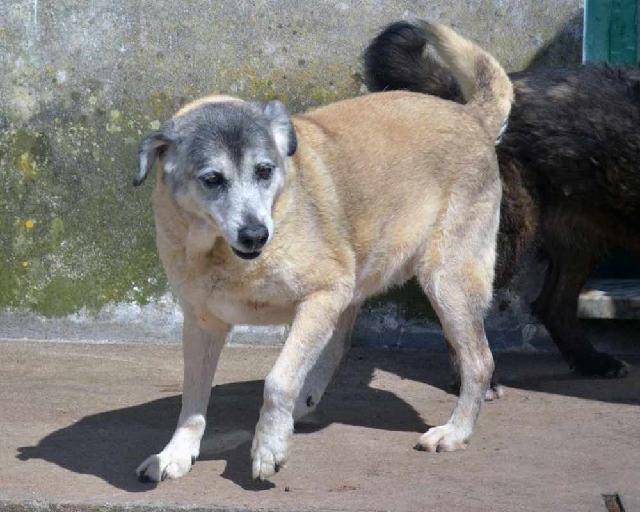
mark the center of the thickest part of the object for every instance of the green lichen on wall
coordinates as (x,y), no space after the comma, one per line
(73,234)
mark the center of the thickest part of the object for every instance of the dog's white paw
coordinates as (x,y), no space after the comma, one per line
(166,464)
(269,450)
(445,438)
(267,462)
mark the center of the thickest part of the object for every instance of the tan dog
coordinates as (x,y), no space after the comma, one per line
(264,219)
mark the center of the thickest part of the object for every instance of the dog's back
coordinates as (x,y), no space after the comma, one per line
(577,130)
(401,166)
(411,160)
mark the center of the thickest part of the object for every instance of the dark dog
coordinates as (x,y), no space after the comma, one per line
(569,165)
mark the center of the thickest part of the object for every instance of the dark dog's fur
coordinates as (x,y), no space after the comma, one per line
(569,163)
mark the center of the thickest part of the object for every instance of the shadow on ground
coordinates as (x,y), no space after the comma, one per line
(111,444)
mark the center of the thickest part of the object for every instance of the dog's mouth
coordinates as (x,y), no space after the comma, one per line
(246,255)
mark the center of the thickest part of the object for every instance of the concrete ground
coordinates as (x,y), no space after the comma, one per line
(75,420)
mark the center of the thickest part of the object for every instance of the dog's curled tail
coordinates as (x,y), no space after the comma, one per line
(395,60)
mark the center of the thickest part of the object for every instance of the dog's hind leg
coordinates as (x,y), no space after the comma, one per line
(557,307)
(312,329)
(201,353)
(460,309)
(328,363)
(456,273)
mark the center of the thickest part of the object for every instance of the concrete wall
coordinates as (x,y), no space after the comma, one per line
(82,82)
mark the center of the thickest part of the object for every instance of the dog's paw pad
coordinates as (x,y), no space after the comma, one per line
(445,438)
(161,466)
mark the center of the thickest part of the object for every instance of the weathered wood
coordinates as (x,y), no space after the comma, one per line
(610,299)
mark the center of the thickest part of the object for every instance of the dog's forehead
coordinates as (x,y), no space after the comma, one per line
(231,127)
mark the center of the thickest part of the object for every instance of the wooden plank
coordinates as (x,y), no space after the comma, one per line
(610,299)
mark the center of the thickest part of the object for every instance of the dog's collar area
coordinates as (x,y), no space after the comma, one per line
(246,255)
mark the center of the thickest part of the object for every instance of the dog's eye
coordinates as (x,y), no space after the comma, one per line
(264,171)
(212,180)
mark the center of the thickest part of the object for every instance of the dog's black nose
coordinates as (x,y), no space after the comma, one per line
(253,236)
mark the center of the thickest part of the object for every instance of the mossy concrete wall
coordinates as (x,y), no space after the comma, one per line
(82,82)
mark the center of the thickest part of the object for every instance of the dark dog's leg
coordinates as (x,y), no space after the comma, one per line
(557,308)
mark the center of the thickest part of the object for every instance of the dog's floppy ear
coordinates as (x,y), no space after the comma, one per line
(281,127)
(151,148)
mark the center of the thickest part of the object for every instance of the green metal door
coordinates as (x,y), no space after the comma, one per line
(610,31)
(611,35)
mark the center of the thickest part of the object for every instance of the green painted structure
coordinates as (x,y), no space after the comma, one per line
(611,35)
(611,31)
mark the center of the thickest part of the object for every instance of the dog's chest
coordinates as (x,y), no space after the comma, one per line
(246,311)
(239,294)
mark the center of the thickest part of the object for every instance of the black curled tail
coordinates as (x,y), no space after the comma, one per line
(395,60)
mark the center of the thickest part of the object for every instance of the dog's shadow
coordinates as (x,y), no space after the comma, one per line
(111,444)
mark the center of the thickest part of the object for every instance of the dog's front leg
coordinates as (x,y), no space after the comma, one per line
(312,328)
(201,350)
(319,377)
